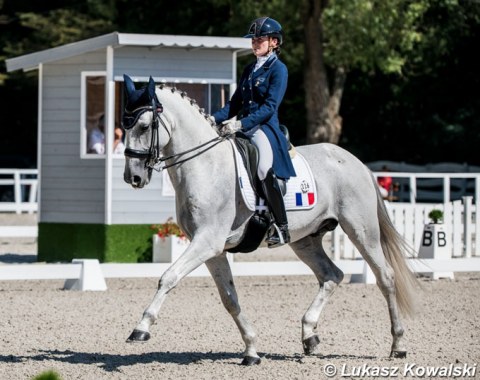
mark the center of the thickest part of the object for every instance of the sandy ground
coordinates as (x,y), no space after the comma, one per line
(81,335)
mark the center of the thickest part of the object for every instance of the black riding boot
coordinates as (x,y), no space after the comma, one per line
(274,198)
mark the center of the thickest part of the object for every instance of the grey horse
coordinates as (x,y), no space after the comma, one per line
(211,212)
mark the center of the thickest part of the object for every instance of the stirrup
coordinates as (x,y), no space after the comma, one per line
(279,236)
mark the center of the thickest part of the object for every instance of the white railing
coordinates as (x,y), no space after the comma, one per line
(433,187)
(23,184)
(461,221)
(439,187)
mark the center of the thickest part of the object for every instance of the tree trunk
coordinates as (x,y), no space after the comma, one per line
(322,100)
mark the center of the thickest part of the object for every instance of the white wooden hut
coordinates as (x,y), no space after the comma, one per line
(85,207)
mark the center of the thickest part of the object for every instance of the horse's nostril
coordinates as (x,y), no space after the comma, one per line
(136,179)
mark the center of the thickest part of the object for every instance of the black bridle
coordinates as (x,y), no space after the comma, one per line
(130,118)
(152,155)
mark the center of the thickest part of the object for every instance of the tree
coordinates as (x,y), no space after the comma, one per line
(344,35)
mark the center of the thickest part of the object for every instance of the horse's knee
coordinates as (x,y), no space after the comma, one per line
(168,281)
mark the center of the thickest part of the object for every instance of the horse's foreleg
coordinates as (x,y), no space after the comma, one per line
(222,275)
(195,255)
(311,252)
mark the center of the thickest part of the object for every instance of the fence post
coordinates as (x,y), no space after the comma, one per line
(91,277)
(446,189)
(476,251)
(17,192)
(467,226)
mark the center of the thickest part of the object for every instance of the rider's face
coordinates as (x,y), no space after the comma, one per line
(262,45)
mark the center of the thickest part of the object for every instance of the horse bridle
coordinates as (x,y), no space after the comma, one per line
(152,155)
(130,118)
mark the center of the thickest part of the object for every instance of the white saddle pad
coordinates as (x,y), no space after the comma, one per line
(301,190)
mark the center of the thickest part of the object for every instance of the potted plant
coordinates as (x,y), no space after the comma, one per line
(169,241)
(436,216)
(435,242)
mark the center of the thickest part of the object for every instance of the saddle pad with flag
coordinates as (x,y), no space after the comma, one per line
(301,190)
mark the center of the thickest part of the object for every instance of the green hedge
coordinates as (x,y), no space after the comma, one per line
(124,243)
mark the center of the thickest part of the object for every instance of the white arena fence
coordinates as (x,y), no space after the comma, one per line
(460,219)
(18,190)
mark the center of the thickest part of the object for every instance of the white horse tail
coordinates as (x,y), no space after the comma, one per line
(395,249)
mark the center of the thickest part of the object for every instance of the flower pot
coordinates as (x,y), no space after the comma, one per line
(435,244)
(168,249)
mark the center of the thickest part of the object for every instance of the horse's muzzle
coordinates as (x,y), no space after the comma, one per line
(136,182)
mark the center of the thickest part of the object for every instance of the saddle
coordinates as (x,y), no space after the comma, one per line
(260,222)
(250,157)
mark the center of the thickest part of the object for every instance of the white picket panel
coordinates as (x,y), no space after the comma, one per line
(20,180)
(460,219)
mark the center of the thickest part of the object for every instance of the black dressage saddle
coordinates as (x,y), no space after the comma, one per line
(261,221)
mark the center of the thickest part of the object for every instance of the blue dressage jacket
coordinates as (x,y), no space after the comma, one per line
(255,102)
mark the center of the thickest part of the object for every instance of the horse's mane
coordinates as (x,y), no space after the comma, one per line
(191,101)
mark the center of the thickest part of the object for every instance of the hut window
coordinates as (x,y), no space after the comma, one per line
(93,116)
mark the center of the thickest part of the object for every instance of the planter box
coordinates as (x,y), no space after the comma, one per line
(436,244)
(169,249)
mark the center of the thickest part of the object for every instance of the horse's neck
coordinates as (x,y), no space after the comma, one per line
(190,130)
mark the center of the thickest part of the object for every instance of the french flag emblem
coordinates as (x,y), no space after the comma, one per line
(305,199)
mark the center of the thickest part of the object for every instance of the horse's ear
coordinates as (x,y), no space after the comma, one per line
(129,85)
(151,88)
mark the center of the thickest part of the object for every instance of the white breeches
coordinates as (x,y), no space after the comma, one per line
(265,163)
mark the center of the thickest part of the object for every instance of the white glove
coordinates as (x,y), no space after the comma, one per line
(212,120)
(231,126)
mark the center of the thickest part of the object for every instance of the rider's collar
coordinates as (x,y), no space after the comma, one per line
(261,61)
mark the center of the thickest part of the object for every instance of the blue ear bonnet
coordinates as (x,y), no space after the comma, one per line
(137,100)
(140,98)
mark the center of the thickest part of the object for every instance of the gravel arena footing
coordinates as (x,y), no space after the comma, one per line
(82,335)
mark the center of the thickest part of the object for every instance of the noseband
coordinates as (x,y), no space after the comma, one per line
(130,118)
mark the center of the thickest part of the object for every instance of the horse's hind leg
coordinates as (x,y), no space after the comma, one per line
(311,252)
(368,243)
(222,275)
(386,282)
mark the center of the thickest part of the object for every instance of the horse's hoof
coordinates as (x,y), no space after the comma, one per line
(398,354)
(251,360)
(310,344)
(138,336)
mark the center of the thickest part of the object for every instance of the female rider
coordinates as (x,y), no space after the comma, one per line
(255,102)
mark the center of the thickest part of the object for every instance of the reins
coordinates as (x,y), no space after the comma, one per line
(152,155)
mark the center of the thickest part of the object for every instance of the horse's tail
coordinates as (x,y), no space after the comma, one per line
(395,249)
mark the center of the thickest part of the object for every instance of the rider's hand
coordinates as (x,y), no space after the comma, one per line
(231,126)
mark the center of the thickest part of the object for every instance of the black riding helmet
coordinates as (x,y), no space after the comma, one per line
(265,26)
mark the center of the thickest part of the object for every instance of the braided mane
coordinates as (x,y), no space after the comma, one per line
(192,102)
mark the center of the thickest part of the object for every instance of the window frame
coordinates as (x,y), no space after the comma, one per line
(83,114)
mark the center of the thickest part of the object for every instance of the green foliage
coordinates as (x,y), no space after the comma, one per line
(107,243)
(372,34)
(427,110)
(436,216)
(48,375)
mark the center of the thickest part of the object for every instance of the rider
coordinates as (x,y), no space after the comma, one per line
(256,101)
